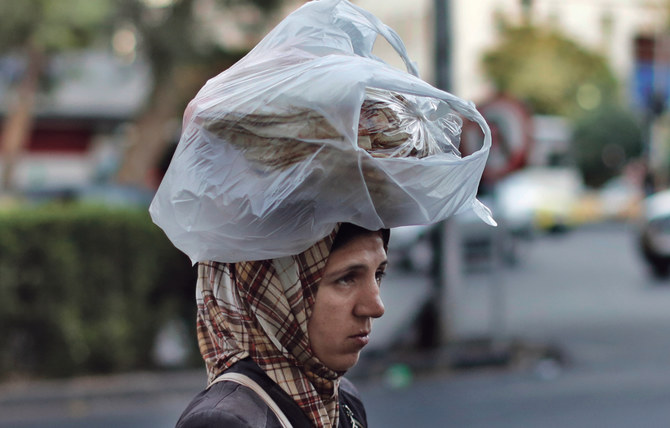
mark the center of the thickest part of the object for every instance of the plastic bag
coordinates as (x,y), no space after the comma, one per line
(310,129)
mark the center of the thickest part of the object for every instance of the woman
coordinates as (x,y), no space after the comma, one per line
(294,325)
(308,131)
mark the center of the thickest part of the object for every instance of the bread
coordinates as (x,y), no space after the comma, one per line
(280,140)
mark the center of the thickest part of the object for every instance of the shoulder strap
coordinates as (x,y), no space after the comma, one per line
(251,384)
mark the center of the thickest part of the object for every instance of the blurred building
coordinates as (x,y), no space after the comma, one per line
(77,128)
(78,123)
(630,34)
(608,26)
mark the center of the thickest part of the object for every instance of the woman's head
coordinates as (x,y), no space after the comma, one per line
(347,298)
(293,315)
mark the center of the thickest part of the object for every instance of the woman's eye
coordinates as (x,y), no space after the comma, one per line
(346,280)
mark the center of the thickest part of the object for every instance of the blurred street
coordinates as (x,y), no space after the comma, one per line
(585,292)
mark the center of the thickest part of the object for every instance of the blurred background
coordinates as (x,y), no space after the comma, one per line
(558,317)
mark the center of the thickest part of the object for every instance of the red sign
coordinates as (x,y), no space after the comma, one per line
(511,136)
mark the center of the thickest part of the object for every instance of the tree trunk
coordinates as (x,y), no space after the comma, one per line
(149,137)
(17,126)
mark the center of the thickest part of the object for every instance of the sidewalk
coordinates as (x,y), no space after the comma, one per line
(127,385)
(402,294)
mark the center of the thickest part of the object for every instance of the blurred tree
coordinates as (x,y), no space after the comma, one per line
(183,44)
(552,73)
(604,141)
(181,40)
(35,30)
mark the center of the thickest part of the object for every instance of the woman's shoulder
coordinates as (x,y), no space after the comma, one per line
(348,388)
(351,405)
(238,405)
(227,404)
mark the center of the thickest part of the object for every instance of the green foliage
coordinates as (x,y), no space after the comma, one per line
(173,34)
(604,141)
(180,42)
(85,289)
(50,25)
(546,69)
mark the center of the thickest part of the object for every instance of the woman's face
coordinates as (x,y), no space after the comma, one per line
(347,300)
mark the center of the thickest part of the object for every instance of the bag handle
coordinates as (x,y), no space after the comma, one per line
(390,35)
(244,380)
(414,85)
(408,84)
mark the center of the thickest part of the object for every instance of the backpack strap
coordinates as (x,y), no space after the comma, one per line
(251,384)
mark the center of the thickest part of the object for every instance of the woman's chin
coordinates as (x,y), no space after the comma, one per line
(343,363)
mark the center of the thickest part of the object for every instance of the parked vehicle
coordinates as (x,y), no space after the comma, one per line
(540,199)
(654,237)
(482,246)
(103,194)
(620,199)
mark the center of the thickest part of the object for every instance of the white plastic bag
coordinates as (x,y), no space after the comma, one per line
(308,130)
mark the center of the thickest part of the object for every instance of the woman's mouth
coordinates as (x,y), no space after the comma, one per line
(361,339)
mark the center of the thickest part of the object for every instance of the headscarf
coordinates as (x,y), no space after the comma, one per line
(260,309)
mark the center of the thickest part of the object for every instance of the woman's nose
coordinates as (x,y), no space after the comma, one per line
(369,302)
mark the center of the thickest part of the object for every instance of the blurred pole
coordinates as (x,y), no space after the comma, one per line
(443,44)
(437,319)
(501,247)
(447,279)
(526,11)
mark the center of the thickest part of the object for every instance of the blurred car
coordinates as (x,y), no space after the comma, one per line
(540,199)
(412,248)
(484,246)
(100,194)
(116,195)
(654,238)
(620,199)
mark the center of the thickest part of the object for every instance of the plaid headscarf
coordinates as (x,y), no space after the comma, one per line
(260,309)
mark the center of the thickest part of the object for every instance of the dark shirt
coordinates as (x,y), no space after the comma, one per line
(229,404)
